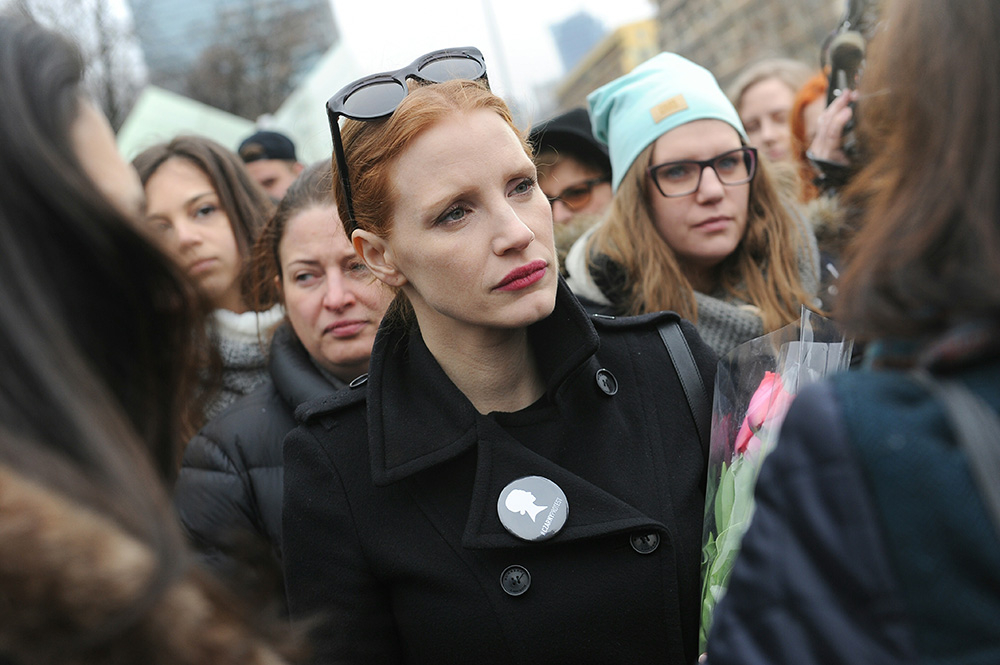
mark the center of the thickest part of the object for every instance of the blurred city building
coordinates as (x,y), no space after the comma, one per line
(159,114)
(575,37)
(616,54)
(727,35)
(179,36)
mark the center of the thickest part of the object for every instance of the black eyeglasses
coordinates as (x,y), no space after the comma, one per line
(736,167)
(377,96)
(577,196)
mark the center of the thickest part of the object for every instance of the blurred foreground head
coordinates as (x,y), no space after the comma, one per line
(96,350)
(927,256)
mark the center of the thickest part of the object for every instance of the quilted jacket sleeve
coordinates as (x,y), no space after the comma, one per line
(813,582)
(213,500)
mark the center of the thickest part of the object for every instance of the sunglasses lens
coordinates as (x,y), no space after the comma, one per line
(576,197)
(449,68)
(374,100)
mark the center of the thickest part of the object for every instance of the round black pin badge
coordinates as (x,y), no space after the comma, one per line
(533,508)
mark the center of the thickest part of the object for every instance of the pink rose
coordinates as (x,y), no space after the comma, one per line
(768,403)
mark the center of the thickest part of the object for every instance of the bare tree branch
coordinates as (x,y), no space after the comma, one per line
(113,74)
(250,69)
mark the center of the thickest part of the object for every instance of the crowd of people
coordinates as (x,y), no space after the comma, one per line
(446,395)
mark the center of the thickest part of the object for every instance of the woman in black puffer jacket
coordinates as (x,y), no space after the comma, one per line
(229,491)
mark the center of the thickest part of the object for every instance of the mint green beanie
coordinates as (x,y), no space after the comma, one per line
(662,93)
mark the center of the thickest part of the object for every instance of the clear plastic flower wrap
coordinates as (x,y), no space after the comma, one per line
(754,387)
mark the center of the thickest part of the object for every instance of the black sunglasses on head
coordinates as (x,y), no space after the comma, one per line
(377,96)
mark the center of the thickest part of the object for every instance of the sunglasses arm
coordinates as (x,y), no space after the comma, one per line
(341,158)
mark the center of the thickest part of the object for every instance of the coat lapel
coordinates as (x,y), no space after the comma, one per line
(418,420)
(592,511)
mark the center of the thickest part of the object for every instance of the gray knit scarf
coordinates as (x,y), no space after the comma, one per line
(242,341)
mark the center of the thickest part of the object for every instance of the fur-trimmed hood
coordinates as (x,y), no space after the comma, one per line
(65,570)
(828,220)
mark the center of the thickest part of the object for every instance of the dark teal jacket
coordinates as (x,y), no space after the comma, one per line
(870,543)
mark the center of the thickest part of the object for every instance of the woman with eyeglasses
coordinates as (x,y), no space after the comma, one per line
(515,482)
(573,167)
(696,225)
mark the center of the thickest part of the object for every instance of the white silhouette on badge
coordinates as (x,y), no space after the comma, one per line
(523,502)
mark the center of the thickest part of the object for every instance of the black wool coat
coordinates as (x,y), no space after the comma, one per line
(228,492)
(391,532)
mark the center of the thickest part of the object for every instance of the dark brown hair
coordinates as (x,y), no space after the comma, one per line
(927,254)
(99,333)
(99,328)
(313,188)
(246,205)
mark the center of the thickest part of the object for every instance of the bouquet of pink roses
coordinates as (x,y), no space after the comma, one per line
(754,387)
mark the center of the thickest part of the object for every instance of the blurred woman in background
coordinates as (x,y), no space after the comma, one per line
(206,212)
(809,102)
(763,94)
(228,494)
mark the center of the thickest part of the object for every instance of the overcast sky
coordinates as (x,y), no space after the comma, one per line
(387,35)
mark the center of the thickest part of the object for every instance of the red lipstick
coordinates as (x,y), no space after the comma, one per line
(522,277)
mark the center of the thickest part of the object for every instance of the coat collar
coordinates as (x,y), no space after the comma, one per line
(592,510)
(295,376)
(441,424)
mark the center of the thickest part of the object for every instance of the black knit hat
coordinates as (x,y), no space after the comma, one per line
(569,134)
(267,145)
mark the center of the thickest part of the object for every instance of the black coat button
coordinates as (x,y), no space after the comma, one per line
(606,381)
(515,580)
(645,543)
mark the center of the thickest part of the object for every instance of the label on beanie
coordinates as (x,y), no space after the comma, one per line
(666,109)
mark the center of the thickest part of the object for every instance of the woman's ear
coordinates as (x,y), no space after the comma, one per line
(377,255)
(278,289)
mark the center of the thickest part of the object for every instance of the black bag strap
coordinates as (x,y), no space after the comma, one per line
(977,428)
(687,371)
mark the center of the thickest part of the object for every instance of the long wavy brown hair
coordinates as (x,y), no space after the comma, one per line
(763,271)
(927,254)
